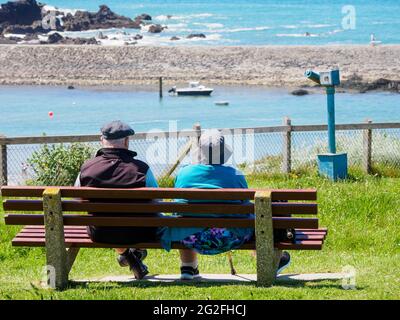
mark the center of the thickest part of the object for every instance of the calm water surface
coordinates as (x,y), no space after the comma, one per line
(25,110)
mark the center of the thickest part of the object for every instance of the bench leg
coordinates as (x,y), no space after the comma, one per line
(56,253)
(277,257)
(71,256)
(266,254)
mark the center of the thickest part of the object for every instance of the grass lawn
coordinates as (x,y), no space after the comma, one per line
(362,214)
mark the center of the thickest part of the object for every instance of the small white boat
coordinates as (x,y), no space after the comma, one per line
(221,103)
(194,89)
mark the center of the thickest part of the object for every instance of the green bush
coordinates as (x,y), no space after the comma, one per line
(58,165)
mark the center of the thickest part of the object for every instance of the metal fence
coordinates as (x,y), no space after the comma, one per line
(283,148)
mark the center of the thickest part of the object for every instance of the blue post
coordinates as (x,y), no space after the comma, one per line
(331,164)
(330,92)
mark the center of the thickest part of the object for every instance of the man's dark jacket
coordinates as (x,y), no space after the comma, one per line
(116,168)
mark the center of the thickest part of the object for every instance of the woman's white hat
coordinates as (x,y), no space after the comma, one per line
(212,148)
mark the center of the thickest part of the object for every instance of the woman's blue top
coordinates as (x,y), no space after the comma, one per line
(206,177)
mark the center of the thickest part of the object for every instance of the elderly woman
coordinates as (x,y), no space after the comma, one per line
(209,173)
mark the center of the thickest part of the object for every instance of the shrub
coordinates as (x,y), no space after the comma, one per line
(59,165)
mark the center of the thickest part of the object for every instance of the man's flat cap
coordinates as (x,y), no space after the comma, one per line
(116,130)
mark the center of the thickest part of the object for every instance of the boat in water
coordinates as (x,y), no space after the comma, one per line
(194,89)
(221,103)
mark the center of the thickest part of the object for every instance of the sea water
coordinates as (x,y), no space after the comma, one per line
(27,110)
(258,22)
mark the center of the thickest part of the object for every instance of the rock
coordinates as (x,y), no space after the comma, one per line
(130,43)
(299,92)
(196,35)
(78,22)
(80,41)
(21,12)
(26,16)
(155,28)
(21,29)
(144,17)
(8,41)
(103,19)
(175,38)
(355,82)
(138,37)
(384,84)
(30,37)
(55,38)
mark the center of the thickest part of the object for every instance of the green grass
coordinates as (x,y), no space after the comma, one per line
(362,215)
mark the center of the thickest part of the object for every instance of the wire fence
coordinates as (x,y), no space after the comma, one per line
(286,148)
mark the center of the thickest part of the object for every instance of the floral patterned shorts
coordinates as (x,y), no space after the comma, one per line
(214,241)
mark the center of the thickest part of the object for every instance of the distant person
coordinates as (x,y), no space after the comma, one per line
(115,166)
(373,41)
(209,173)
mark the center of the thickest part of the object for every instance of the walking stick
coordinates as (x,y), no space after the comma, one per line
(233,271)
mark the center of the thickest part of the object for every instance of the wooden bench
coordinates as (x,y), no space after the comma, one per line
(64,234)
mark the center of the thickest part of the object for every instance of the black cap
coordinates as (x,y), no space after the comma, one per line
(116,130)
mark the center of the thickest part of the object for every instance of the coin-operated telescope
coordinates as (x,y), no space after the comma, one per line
(331,164)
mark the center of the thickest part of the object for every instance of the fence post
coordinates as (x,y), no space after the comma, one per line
(3,163)
(367,149)
(287,146)
(195,143)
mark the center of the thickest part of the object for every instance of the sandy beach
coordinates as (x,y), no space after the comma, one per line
(274,66)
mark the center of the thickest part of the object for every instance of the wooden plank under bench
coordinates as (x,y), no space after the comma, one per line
(34,236)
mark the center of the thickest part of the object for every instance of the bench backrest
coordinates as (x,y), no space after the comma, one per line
(284,204)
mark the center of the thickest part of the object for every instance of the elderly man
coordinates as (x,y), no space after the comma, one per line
(115,166)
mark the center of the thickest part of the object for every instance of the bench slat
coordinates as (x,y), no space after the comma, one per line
(87,220)
(84,235)
(36,228)
(86,206)
(87,243)
(35,232)
(140,207)
(83,229)
(159,193)
(34,236)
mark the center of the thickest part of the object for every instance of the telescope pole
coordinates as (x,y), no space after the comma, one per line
(330,92)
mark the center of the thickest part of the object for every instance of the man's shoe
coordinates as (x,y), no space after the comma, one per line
(140,253)
(189,273)
(136,265)
(284,262)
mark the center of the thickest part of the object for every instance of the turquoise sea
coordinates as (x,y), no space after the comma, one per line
(260,22)
(25,109)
